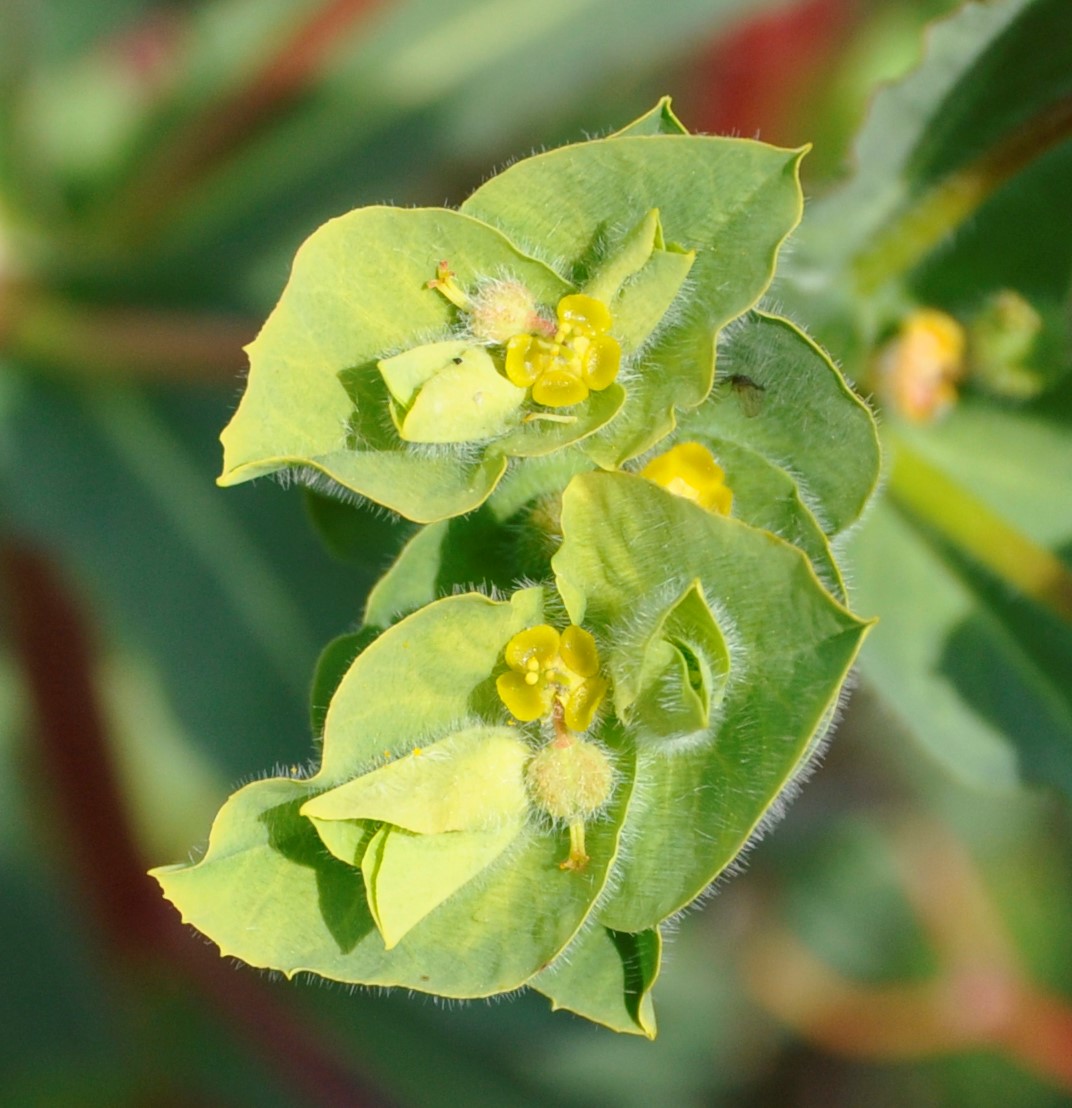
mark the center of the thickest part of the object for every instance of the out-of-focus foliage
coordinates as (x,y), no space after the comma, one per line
(158,167)
(978,664)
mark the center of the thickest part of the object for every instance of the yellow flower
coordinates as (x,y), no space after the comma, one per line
(580,358)
(552,673)
(690,470)
(919,368)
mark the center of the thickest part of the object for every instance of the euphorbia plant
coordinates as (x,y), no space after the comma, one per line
(622,633)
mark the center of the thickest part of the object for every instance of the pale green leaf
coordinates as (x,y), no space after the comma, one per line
(642,304)
(684,670)
(357,293)
(624,259)
(639,278)
(659,120)
(405,373)
(347,840)
(466,782)
(731,200)
(805,419)
(421,487)
(268,892)
(607,976)
(409,875)
(464,399)
(627,544)
(768,496)
(412,580)
(419,680)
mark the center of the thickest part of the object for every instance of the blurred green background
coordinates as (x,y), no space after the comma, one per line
(901,939)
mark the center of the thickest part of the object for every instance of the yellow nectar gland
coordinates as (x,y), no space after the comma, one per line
(689,470)
(552,671)
(581,357)
(919,368)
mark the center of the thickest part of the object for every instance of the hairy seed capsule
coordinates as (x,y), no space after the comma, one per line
(570,778)
(502,310)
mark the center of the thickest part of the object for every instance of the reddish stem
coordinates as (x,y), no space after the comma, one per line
(978,999)
(1040,1037)
(99,849)
(222,126)
(116,343)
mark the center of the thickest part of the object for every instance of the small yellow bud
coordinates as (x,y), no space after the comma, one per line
(689,470)
(918,369)
(1006,346)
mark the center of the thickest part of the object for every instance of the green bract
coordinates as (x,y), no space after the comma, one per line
(521,791)
(676,234)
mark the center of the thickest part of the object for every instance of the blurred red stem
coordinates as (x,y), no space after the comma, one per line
(978,999)
(56,653)
(57,665)
(118,343)
(221,127)
(1041,1037)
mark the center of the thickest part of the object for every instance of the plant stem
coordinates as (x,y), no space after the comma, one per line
(107,343)
(979,997)
(936,212)
(221,127)
(56,653)
(1040,1037)
(968,523)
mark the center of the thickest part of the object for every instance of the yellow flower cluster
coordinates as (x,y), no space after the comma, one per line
(580,358)
(690,470)
(552,672)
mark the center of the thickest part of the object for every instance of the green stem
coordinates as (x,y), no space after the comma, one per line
(578,856)
(968,523)
(933,214)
